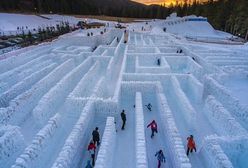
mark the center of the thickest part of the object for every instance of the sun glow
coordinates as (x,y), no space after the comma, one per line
(166,2)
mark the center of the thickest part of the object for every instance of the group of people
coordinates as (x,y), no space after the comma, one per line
(180,51)
(160,155)
(95,142)
(154,129)
(190,147)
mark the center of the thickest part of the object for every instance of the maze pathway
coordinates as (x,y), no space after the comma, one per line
(55,95)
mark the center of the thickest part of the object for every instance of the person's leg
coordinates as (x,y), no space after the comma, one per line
(191,150)
(94,140)
(195,149)
(154,130)
(152,133)
(122,125)
(93,159)
(188,151)
(159,164)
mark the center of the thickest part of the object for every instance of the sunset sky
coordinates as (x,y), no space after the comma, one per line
(166,2)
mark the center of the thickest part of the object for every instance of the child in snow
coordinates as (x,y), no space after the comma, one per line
(92,150)
(123,117)
(96,136)
(160,157)
(149,106)
(88,164)
(153,126)
(191,144)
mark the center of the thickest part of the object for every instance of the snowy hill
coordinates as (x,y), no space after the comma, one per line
(9,23)
(191,26)
(53,95)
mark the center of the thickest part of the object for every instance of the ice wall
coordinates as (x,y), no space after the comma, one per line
(91,41)
(232,104)
(105,155)
(140,141)
(11,144)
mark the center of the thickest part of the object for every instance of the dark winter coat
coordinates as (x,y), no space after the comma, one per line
(123,116)
(160,156)
(96,135)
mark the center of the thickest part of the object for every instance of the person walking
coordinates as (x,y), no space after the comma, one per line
(153,126)
(149,106)
(160,157)
(123,117)
(92,150)
(191,144)
(96,136)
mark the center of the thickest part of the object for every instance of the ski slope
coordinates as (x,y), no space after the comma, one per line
(53,95)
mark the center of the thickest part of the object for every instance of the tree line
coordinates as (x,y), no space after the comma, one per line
(226,15)
(119,8)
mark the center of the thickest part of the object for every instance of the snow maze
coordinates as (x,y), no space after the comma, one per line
(54,95)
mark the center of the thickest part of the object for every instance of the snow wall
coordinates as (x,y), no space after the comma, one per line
(91,41)
(106,152)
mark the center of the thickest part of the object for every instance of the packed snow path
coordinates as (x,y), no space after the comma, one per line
(53,96)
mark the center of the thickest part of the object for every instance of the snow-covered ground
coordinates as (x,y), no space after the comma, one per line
(11,24)
(53,95)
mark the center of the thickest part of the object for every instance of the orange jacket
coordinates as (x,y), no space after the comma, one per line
(191,143)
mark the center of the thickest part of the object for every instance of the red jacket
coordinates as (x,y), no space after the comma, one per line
(191,143)
(153,125)
(91,146)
